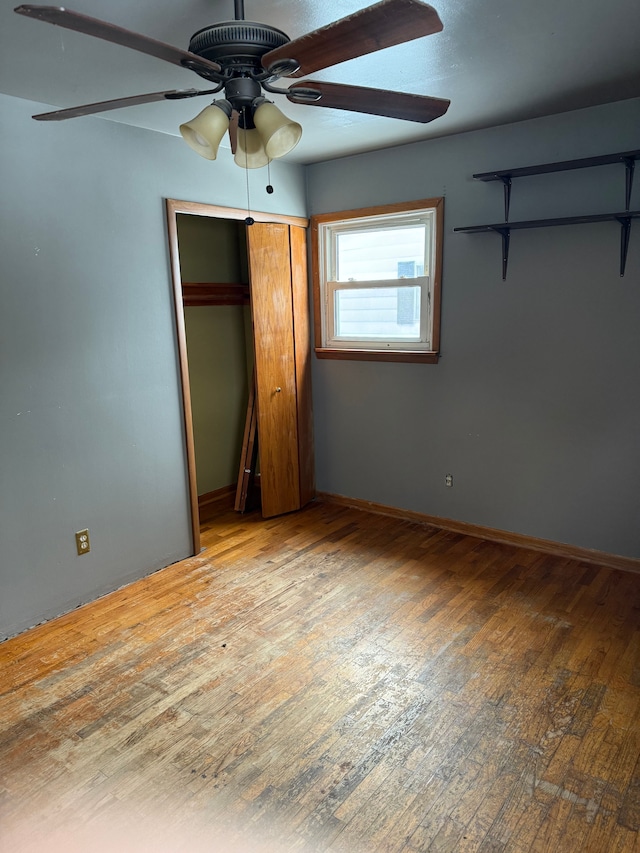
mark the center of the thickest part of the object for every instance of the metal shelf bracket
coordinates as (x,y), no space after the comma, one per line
(625,234)
(506,183)
(629,163)
(505,233)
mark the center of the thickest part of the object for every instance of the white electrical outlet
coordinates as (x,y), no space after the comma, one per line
(448,480)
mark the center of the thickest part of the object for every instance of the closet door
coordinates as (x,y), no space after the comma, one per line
(281,431)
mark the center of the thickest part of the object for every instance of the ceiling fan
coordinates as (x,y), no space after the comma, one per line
(243,59)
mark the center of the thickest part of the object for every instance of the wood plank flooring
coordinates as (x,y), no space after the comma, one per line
(331,680)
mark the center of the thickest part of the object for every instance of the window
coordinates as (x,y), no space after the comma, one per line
(376,279)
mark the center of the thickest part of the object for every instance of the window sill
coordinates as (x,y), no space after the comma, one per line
(414,356)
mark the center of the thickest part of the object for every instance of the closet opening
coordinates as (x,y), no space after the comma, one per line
(242,324)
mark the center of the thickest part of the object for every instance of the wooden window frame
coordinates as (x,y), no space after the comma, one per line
(423,356)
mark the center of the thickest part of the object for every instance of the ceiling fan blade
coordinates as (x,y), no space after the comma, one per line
(61,17)
(118,103)
(384,24)
(359,99)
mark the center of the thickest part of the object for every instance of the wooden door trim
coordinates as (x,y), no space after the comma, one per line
(187,413)
(215,211)
(302,346)
(173,207)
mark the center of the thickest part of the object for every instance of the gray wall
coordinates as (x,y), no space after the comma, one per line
(534,407)
(90,422)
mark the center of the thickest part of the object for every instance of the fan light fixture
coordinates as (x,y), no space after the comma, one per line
(250,150)
(204,132)
(264,133)
(278,133)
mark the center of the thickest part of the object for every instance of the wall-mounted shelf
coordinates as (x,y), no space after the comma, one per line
(505,228)
(506,176)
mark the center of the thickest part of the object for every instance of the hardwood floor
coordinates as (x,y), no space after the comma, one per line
(331,680)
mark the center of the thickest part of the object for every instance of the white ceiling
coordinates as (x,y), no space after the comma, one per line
(498,61)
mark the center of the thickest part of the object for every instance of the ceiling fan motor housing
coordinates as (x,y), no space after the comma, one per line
(237,45)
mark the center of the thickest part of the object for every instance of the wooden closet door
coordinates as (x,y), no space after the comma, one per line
(269,251)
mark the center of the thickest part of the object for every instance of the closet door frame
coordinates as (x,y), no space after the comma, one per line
(173,208)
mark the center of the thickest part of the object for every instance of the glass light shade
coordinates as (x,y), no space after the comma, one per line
(250,152)
(204,133)
(279,134)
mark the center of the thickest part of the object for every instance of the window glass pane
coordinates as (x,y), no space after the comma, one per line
(380,254)
(378,312)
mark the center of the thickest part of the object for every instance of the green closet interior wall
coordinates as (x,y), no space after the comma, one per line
(219,347)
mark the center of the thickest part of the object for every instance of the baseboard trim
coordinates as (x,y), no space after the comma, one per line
(215,496)
(546,546)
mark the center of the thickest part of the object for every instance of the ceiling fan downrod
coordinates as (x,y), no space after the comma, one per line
(239,10)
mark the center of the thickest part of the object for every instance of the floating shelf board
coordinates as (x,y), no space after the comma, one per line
(506,175)
(545,223)
(564,166)
(505,228)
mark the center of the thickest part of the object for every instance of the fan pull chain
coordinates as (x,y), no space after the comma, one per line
(269,187)
(249,219)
